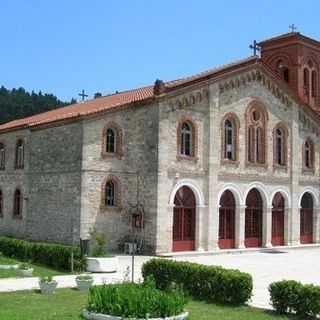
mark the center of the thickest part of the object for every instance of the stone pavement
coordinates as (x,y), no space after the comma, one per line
(265,267)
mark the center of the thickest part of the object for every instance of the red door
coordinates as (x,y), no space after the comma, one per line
(278,206)
(306,219)
(226,221)
(184,218)
(253,219)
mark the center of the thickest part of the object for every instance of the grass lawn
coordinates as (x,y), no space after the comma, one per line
(39,271)
(66,304)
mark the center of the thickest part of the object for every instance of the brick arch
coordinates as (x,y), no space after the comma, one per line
(234,118)
(273,59)
(194,149)
(119,143)
(283,126)
(118,193)
(252,126)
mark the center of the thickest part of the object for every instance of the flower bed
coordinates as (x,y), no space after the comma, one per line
(134,301)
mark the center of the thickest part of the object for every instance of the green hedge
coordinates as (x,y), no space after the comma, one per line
(209,283)
(52,255)
(290,296)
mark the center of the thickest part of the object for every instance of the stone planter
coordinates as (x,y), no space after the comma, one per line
(48,287)
(107,264)
(84,285)
(98,316)
(25,272)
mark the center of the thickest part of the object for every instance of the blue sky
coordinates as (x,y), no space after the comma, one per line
(64,46)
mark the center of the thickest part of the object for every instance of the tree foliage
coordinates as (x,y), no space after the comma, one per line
(19,103)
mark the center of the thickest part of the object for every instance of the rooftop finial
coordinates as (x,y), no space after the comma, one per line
(293,28)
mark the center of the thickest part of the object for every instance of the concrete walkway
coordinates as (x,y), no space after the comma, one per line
(265,267)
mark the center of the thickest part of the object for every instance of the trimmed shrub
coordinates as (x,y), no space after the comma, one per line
(132,300)
(209,283)
(290,296)
(52,255)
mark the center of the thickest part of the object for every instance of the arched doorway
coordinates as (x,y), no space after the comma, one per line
(184,220)
(306,219)
(253,220)
(226,220)
(278,207)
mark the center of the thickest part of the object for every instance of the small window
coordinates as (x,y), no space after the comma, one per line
(2,157)
(17,204)
(1,204)
(186,139)
(283,71)
(280,147)
(110,200)
(308,154)
(110,141)
(20,154)
(306,81)
(314,84)
(230,138)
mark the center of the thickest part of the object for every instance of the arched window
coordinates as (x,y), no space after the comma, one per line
(111,193)
(2,157)
(230,139)
(306,83)
(280,146)
(19,154)
(186,148)
(283,71)
(256,137)
(111,141)
(308,154)
(314,83)
(17,203)
(1,204)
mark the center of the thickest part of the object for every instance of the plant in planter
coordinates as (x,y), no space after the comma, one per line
(99,261)
(134,301)
(84,282)
(24,270)
(47,285)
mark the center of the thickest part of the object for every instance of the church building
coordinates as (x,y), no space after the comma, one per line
(225,159)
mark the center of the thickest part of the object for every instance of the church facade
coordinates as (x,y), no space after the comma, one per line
(228,158)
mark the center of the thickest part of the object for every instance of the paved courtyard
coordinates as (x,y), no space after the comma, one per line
(265,267)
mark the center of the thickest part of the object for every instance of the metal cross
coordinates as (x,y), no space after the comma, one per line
(292,27)
(83,95)
(254,47)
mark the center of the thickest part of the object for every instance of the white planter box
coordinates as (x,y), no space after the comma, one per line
(84,285)
(98,316)
(109,264)
(48,287)
(8,266)
(25,272)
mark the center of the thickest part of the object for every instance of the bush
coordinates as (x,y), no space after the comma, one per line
(290,296)
(52,255)
(132,300)
(209,283)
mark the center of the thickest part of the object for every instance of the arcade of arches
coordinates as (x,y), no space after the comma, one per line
(255,210)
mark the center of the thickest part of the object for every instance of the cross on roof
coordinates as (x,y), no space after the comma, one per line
(292,27)
(255,47)
(83,95)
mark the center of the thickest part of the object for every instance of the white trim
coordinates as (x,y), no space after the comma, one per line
(315,196)
(235,191)
(193,186)
(263,191)
(285,193)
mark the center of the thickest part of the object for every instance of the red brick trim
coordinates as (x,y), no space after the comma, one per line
(306,169)
(17,216)
(256,104)
(118,193)
(283,126)
(194,150)
(234,118)
(119,143)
